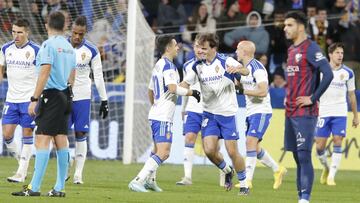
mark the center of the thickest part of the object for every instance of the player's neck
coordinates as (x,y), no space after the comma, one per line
(300,39)
(168,56)
(335,66)
(23,44)
(247,60)
(210,58)
(52,33)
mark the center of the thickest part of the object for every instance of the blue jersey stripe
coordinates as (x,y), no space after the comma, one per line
(7,45)
(351,73)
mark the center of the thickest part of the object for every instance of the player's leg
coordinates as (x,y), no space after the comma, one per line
(81,118)
(304,128)
(323,132)
(339,132)
(10,119)
(230,134)
(192,126)
(162,136)
(251,145)
(28,124)
(62,154)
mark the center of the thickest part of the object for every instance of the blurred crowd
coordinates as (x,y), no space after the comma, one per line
(106,26)
(260,21)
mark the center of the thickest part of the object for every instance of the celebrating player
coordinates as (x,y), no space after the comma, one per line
(333,112)
(19,57)
(304,63)
(258,112)
(87,59)
(163,91)
(216,76)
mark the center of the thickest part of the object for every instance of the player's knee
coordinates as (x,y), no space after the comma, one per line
(80,134)
(251,144)
(27,132)
(190,139)
(8,136)
(210,151)
(337,140)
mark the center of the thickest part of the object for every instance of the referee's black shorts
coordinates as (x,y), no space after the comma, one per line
(53,112)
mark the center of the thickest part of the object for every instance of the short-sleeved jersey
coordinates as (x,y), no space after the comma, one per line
(217,85)
(333,101)
(303,75)
(257,75)
(163,74)
(87,59)
(192,104)
(57,52)
(20,69)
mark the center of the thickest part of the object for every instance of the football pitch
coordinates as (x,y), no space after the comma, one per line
(106,181)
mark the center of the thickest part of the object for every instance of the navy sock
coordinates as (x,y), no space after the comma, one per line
(298,173)
(306,173)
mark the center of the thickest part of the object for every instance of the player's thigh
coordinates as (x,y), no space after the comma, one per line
(257,125)
(338,126)
(8,130)
(80,115)
(304,128)
(251,143)
(26,121)
(210,144)
(192,126)
(10,114)
(161,131)
(42,141)
(289,136)
(228,128)
(231,148)
(209,126)
(323,127)
(61,141)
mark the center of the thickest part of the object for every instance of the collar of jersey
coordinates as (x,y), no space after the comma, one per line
(80,45)
(22,45)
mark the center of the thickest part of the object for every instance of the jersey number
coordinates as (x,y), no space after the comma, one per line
(320,123)
(156,87)
(5,109)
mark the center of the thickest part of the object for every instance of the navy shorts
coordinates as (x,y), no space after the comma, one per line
(192,122)
(299,133)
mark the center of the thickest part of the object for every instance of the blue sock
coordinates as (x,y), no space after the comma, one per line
(298,173)
(241,175)
(41,162)
(306,173)
(62,168)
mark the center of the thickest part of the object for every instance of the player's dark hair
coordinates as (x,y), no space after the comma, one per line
(22,23)
(298,16)
(81,21)
(162,42)
(56,20)
(334,46)
(213,39)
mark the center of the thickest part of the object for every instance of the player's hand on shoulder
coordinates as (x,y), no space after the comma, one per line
(104,109)
(196,94)
(303,101)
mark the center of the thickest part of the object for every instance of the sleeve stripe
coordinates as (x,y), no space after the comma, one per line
(351,73)
(92,48)
(7,45)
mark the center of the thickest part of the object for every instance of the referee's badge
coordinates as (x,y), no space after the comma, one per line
(298,57)
(27,54)
(83,55)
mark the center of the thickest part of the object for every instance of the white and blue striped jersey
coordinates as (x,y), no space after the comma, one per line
(257,75)
(163,74)
(87,59)
(20,65)
(192,104)
(333,101)
(217,85)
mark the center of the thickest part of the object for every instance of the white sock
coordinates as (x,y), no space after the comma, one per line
(80,157)
(250,167)
(268,161)
(303,201)
(152,176)
(150,167)
(335,163)
(323,158)
(24,159)
(188,161)
(224,167)
(12,148)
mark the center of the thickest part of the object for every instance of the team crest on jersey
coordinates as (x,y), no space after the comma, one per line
(168,135)
(217,69)
(27,54)
(59,50)
(342,76)
(10,54)
(298,57)
(83,55)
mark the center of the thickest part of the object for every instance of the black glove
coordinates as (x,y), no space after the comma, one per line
(239,89)
(104,109)
(196,94)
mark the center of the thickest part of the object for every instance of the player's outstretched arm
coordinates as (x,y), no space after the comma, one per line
(178,90)
(353,104)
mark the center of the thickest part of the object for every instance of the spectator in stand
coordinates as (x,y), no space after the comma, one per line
(319,29)
(8,14)
(278,43)
(35,12)
(171,15)
(51,6)
(199,22)
(215,7)
(311,10)
(278,78)
(229,19)
(254,32)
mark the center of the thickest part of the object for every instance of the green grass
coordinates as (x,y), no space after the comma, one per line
(106,181)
